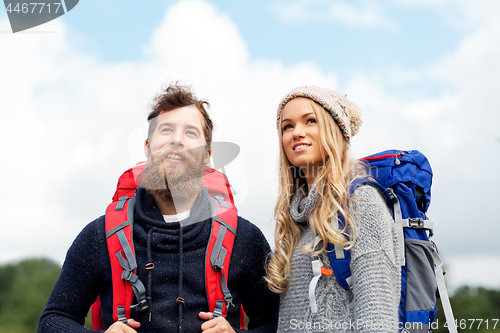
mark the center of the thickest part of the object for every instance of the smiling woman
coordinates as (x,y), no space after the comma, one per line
(315,126)
(301,137)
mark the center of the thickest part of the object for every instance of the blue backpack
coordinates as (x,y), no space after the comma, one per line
(404,179)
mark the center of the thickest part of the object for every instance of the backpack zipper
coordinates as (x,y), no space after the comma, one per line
(397,155)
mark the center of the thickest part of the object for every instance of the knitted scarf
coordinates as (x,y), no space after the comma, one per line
(302,204)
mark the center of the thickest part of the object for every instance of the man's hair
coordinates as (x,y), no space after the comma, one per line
(176,96)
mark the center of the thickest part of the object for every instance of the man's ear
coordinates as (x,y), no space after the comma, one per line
(147,149)
(208,154)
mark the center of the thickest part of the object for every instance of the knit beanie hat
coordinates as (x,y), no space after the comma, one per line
(346,113)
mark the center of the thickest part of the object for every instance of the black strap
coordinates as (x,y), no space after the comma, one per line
(227,294)
(117,228)
(127,249)
(218,252)
(218,219)
(221,201)
(137,285)
(213,214)
(219,305)
(121,314)
(129,265)
(121,203)
(130,215)
(130,211)
(212,203)
(123,262)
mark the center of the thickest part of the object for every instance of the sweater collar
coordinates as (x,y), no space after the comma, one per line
(303,203)
(147,210)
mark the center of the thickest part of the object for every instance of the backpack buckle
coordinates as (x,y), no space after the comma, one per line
(141,306)
(392,195)
(416,223)
(129,276)
(217,266)
(229,302)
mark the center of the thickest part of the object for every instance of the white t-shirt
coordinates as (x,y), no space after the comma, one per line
(177,217)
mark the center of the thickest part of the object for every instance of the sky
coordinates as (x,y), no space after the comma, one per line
(75,92)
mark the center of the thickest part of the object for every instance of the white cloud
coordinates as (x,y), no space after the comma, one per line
(476,13)
(66,120)
(298,11)
(474,66)
(362,15)
(367,15)
(205,43)
(463,15)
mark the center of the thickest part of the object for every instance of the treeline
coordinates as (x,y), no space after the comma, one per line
(475,310)
(26,286)
(24,290)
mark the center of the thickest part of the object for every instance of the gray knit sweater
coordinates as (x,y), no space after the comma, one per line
(371,304)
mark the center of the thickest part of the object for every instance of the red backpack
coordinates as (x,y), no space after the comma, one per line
(119,222)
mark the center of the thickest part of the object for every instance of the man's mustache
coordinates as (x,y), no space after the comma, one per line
(186,155)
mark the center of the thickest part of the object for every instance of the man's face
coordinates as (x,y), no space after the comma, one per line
(176,154)
(182,131)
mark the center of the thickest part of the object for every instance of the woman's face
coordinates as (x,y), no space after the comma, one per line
(301,134)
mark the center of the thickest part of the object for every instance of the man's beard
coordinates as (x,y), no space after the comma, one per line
(173,182)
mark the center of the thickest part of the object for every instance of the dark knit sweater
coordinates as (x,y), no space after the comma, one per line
(86,273)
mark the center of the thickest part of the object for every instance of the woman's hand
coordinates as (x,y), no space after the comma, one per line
(216,325)
(120,327)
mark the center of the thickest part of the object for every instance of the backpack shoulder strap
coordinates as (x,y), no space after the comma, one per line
(367,181)
(339,258)
(224,226)
(119,222)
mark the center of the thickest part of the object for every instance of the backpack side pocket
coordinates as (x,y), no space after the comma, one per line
(421,282)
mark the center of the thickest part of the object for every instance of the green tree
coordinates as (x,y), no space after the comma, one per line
(24,290)
(475,310)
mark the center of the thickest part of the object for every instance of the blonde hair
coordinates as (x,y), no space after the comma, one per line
(332,184)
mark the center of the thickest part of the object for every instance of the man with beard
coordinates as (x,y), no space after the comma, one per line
(171,231)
